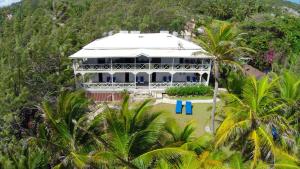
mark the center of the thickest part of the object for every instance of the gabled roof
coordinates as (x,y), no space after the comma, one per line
(132,45)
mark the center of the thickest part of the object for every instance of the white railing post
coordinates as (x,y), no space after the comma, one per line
(149,81)
(172,76)
(173,65)
(134,80)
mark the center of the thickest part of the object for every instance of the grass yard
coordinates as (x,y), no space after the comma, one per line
(200,117)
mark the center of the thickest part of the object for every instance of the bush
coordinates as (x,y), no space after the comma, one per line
(198,90)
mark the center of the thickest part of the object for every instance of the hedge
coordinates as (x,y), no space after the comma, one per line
(197,90)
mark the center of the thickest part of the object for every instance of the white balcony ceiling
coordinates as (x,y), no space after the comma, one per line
(133,45)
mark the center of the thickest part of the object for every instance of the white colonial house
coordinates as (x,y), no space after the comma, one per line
(140,62)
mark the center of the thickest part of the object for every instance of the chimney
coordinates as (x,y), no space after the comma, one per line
(163,31)
(174,33)
(123,31)
(135,32)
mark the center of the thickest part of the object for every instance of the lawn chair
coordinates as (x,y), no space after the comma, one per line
(194,79)
(165,78)
(178,107)
(188,108)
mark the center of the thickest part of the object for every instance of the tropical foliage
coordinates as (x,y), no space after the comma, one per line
(46,123)
(196,90)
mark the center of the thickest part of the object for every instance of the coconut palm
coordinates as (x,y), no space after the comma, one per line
(131,130)
(26,156)
(177,135)
(289,89)
(251,119)
(63,121)
(223,45)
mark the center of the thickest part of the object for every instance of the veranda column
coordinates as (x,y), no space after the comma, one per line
(172,75)
(149,85)
(112,85)
(111,66)
(134,80)
(200,78)
(208,72)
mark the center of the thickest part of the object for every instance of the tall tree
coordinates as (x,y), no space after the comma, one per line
(222,43)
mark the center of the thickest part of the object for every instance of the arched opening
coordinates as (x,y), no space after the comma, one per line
(204,78)
(124,77)
(186,77)
(161,77)
(142,62)
(142,79)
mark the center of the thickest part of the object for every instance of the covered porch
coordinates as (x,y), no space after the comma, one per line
(155,81)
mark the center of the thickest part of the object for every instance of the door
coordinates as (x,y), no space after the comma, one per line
(126,77)
(100,77)
(153,77)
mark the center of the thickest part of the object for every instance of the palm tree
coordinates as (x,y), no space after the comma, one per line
(177,135)
(251,119)
(63,120)
(289,89)
(223,45)
(131,130)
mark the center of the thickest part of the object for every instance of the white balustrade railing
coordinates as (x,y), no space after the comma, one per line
(141,66)
(185,83)
(121,86)
(160,84)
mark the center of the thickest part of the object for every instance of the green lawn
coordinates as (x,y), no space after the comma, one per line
(200,117)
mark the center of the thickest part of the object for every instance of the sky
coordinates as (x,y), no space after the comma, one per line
(9,2)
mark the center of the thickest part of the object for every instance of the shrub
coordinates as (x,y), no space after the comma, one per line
(198,90)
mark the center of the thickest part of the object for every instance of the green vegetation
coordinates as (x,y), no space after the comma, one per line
(45,123)
(190,97)
(199,119)
(195,90)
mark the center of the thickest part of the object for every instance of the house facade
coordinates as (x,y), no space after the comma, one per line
(140,62)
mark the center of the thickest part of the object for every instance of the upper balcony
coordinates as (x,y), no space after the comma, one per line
(106,67)
(144,64)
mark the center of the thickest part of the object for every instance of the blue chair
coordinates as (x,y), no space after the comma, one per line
(178,107)
(194,79)
(164,78)
(142,79)
(188,108)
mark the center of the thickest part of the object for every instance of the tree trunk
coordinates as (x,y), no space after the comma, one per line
(216,75)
